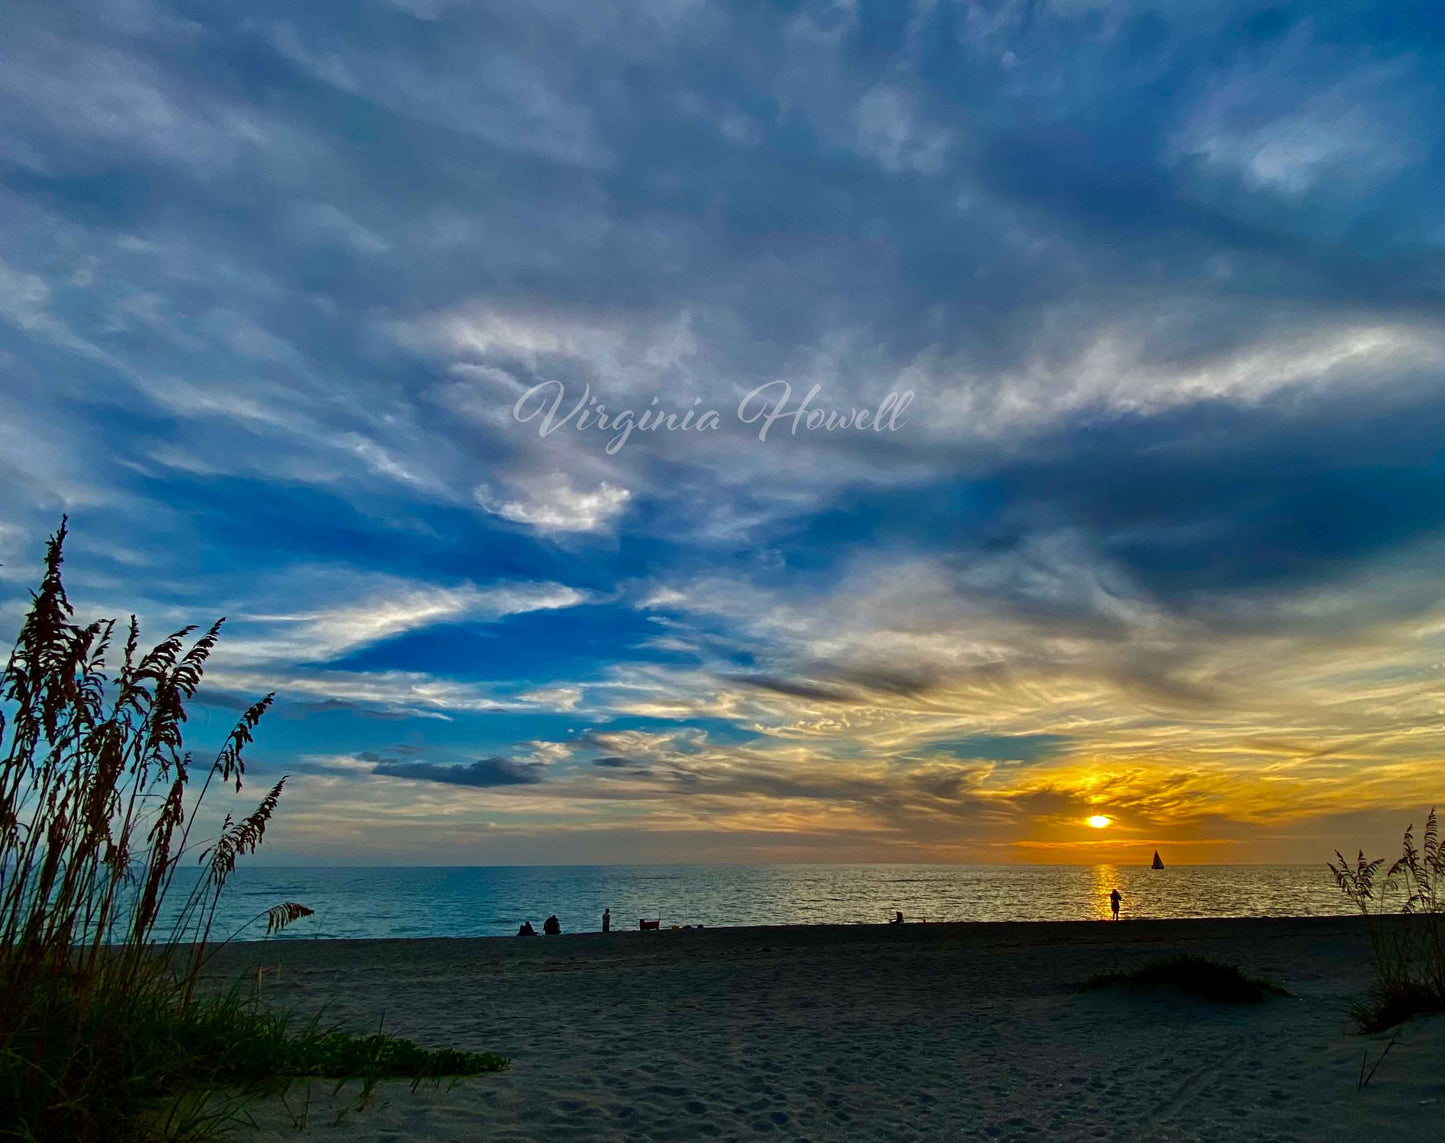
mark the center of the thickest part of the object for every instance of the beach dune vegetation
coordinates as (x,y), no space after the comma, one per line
(1404,911)
(1196,976)
(107,1030)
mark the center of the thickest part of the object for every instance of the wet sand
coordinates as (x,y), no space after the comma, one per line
(924,1032)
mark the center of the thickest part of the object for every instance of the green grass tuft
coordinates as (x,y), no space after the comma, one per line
(1196,975)
(143,1067)
(1389,1005)
(246,1043)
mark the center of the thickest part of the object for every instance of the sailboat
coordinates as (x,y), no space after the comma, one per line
(1156,863)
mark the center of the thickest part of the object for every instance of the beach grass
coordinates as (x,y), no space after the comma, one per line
(145,1067)
(1195,975)
(107,1031)
(1404,911)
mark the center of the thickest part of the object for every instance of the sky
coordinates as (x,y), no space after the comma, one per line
(1139,306)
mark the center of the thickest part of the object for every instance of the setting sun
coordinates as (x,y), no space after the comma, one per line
(1099,821)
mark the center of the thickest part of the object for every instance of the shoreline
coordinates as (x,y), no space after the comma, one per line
(959,1030)
(942,927)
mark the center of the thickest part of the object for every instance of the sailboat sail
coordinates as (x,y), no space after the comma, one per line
(1157,864)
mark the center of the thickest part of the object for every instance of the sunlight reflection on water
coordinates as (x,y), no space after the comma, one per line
(474,901)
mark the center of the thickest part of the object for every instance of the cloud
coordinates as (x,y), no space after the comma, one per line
(74,105)
(890,133)
(293,709)
(627,349)
(388,608)
(484,772)
(797,688)
(369,694)
(553,505)
(546,753)
(1278,131)
(558,698)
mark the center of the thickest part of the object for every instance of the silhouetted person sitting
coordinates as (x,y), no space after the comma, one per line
(606,920)
(1114,899)
(526,930)
(552,927)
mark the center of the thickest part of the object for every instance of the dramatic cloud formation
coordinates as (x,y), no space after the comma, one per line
(1158,536)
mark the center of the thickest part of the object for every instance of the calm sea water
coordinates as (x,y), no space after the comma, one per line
(493,901)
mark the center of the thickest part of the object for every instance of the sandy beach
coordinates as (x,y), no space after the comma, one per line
(924,1032)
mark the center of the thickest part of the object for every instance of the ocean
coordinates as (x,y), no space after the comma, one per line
(473,901)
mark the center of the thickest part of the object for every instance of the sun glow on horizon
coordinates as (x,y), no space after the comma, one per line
(1099,821)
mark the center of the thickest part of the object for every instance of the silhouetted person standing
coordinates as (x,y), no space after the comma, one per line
(1114,899)
(606,920)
